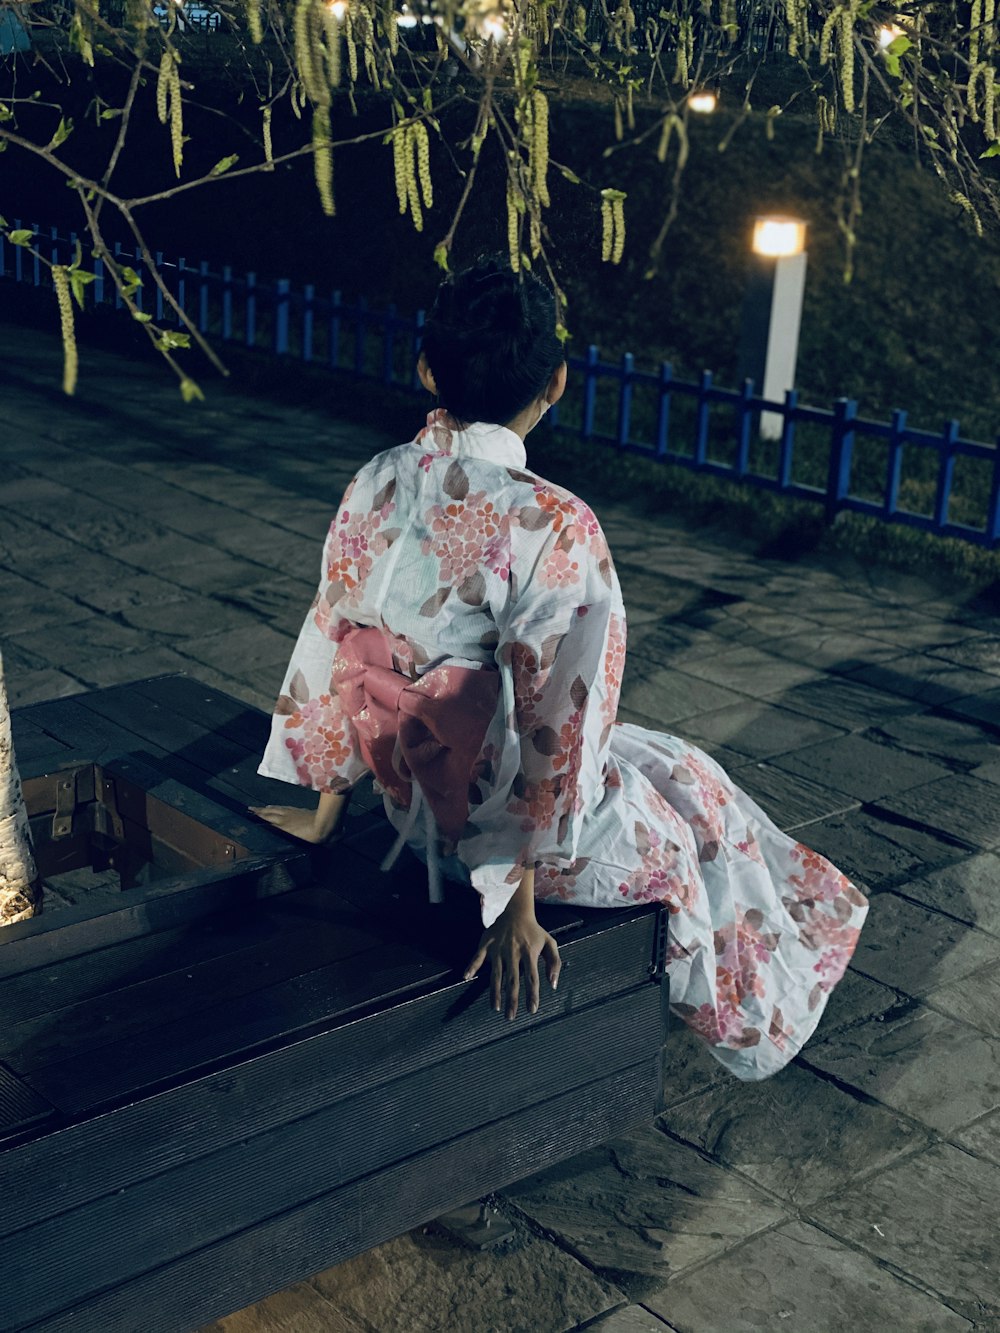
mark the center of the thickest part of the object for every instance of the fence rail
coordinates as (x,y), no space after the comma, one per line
(935,481)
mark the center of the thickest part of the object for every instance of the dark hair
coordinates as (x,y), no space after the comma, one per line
(490,341)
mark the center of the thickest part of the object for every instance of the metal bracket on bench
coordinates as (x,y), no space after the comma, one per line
(661,939)
(62,818)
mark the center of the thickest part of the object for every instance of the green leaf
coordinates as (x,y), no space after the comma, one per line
(5,112)
(141,316)
(571,176)
(441,257)
(899,46)
(131,280)
(190,391)
(22,237)
(110,113)
(224,163)
(169,340)
(63,130)
(79,281)
(993,150)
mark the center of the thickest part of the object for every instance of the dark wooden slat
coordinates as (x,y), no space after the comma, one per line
(241,1269)
(105,971)
(188,993)
(20,1106)
(32,744)
(78,1162)
(203,1201)
(208,708)
(80,729)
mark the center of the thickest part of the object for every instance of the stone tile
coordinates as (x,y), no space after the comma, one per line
(958,805)
(979,708)
(129,592)
(918,1062)
(937,736)
(667,640)
(928,634)
(827,1137)
(123,668)
(749,671)
(27,606)
(967,890)
(910,1217)
(759,730)
(906,946)
(687,1066)
(96,636)
(846,703)
(826,649)
(854,998)
(188,618)
(645,1205)
(972,999)
(630,1319)
(297,1309)
(860,768)
(791,801)
(982,653)
(928,680)
(667,694)
(37,686)
(801,1279)
(982,1139)
(880,854)
(430,1284)
(988,772)
(156,554)
(278,598)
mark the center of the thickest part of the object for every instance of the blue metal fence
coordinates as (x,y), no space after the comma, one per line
(831,456)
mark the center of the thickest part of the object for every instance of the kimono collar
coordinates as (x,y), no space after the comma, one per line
(481,439)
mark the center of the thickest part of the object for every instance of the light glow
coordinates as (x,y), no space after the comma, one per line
(338,8)
(888,33)
(703,102)
(778,237)
(406,19)
(494,28)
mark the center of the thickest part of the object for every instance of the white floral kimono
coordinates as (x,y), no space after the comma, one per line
(463,557)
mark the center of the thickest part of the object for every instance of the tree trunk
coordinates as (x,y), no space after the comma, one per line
(20,888)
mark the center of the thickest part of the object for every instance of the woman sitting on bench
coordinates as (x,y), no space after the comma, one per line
(466,647)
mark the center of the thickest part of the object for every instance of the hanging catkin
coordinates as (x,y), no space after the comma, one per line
(60,282)
(540,147)
(513,228)
(323,159)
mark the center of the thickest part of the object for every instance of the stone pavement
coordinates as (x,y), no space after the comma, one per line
(858,1190)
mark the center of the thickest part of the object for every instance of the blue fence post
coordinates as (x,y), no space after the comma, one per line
(18,255)
(946,471)
(388,344)
(282,300)
(589,393)
(250,314)
(308,318)
(158,294)
(359,337)
(418,338)
(181,290)
(838,484)
(993,514)
(744,428)
(98,282)
(894,463)
(227,303)
(663,409)
(787,447)
(118,264)
(203,296)
(334,339)
(54,252)
(625,398)
(701,420)
(36,267)
(3,262)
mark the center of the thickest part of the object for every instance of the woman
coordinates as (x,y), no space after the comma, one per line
(466,646)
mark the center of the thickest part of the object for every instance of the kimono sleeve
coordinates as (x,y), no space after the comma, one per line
(560,657)
(312,741)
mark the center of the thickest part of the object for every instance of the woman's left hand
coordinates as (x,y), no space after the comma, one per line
(516,940)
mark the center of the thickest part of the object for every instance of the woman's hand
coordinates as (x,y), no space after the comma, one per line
(315,826)
(514,940)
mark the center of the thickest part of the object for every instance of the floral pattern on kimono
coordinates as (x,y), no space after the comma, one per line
(461,554)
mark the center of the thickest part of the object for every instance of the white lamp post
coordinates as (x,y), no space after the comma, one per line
(772,312)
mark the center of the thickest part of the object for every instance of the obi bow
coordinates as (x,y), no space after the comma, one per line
(420,738)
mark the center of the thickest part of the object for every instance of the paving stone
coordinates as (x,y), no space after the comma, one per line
(972,999)
(914,949)
(988,773)
(748,670)
(667,694)
(967,889)
(665,640)
(958,805)
(430,1284)
(926,633)
(847,703)
(156,554)
(29,606)
(981,652)
(187,619)
(795,1134)
(803,1280)
(982,1139)
(645,1205)
(929,680)
(37,686)
(687,1065)
(297,1309)
(124,668)
(938,736)
(791,801)
(826,649)
(129,592)
(910,1215)
(877,853)
(630,1319)
(282,600)
(859,767)
(918,1062)
(979,707)
(854,998)
(95,636)
(759,730)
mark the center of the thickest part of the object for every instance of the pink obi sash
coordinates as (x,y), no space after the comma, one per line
(425,733)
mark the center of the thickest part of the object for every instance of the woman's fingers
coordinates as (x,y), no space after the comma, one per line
(513,989)
(496,981)
(476,964)
(550,952)
(531,968)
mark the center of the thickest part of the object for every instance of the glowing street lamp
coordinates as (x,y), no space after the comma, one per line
(703,102)
(772,312)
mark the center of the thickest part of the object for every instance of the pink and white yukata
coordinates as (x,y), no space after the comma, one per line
(466,645)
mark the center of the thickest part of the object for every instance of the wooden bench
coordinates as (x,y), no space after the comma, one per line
(260,1059)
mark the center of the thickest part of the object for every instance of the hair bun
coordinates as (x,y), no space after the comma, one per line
(501,309)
